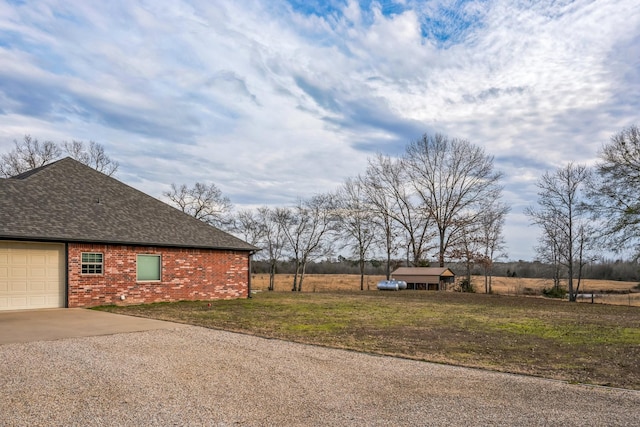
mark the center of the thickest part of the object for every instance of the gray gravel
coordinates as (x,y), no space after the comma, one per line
(201,377)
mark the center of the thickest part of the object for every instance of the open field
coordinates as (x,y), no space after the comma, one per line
(595,344)
(607,291)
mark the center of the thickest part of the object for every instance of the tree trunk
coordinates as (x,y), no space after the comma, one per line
(486,281)
(304,268)
(295,276)
(388,253)
(272,276)
(441,251)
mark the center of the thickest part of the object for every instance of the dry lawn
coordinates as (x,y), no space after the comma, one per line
(606,291)
(595,344)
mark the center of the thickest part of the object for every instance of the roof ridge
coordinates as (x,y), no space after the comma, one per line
(35,171)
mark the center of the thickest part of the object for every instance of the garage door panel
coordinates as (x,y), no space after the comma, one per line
(31,275)
(39,259)
(17,303)
(55,300)
(18,272)
(37,272)
(54,289)
(36,286)
(37,300)
(18,258)
(18,286)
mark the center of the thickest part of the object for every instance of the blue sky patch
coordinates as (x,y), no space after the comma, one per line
(335,7)
(318,7)
(449,25)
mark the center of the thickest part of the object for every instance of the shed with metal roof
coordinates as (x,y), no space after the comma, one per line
(425,278)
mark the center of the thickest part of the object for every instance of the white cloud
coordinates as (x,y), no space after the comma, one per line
(272,103)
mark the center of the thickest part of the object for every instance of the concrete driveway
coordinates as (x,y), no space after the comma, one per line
(61,323)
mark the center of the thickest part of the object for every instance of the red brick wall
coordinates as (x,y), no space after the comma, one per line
(187,274)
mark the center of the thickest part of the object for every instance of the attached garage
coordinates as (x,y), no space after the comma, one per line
(32,275)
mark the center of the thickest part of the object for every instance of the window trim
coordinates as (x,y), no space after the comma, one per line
(159,257)
(91,263)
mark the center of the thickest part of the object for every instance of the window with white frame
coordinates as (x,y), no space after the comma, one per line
(148,268)
(92,263)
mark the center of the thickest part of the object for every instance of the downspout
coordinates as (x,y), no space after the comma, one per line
(249,278)
(66,274)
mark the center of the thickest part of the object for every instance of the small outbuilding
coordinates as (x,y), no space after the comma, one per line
(425,278)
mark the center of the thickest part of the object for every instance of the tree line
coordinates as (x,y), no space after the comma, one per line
(440,202)
(605,269)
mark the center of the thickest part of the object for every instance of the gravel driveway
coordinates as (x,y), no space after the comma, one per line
(201,377)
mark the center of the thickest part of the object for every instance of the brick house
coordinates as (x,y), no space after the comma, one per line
(71,236)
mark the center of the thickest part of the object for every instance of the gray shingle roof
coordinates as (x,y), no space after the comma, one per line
(68,201)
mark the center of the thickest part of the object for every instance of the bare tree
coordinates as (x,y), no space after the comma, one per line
(92,155)
(491,236)
(356,223)
(273,241)
(261,229)
(548,250)
(202,201)
(31,153)
(414,221)
(615,197)
(381,197)
(562,214)
(453,179)
(468,250)
(305,227)
(28,154)
(248,226)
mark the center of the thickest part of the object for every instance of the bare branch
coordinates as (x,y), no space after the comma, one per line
(26,155)
(203,202)
(453,179)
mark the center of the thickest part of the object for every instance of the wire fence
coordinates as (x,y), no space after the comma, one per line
(630,299)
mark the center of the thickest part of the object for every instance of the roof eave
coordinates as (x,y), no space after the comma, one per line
(124,242)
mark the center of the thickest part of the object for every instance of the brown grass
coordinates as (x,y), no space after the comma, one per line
(607,291)
(317,282)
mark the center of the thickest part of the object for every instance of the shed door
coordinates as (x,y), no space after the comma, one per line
(31,275)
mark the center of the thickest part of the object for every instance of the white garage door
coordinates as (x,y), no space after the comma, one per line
(31,275)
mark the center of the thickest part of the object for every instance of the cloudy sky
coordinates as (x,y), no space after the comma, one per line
(273,100)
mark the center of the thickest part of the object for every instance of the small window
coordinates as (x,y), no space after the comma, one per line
(148,268)
(92,263)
